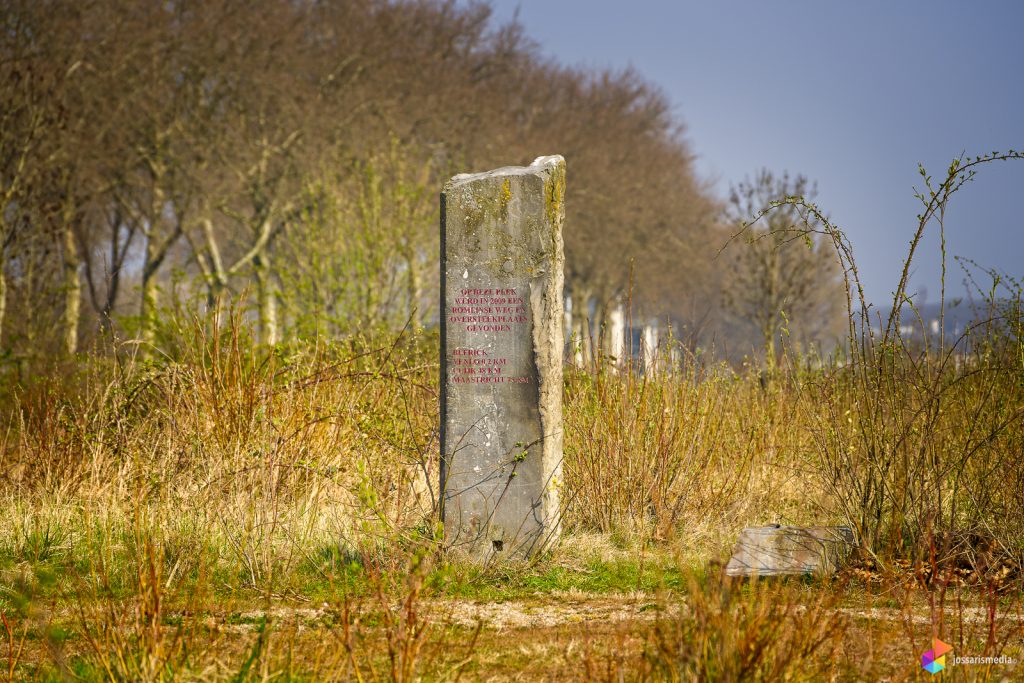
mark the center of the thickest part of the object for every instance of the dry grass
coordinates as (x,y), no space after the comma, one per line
(224,511)
(233,513)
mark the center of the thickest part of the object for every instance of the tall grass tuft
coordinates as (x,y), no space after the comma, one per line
(747,632)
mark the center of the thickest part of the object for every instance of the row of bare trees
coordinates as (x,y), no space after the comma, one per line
(159,154)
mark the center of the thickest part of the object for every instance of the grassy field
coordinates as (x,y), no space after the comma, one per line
(233,512)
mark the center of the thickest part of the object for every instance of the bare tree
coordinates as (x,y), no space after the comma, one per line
(30,80)
(781,280)
(296,148)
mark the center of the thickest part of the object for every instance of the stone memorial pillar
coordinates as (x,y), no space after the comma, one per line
(650,348)
(502,339)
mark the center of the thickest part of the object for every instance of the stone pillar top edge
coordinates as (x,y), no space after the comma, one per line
(540,165)
(549,160)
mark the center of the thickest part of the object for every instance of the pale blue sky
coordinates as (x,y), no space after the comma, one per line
(851,94)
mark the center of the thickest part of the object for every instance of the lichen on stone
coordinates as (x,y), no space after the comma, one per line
(505,198)
(554,194)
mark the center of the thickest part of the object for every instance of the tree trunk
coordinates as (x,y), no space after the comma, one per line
(3,298)
(266,294)
(72,290)
(586,327)
(414,287)
(769,353)
(147,309)
(599,337)
(580,325)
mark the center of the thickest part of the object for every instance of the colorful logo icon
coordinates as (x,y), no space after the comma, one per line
(934,660)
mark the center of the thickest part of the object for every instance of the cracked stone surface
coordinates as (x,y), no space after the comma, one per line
(502,336)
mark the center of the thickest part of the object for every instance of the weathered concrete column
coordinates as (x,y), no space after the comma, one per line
(650,348)
(567,317)
(502,339)
(617,335)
